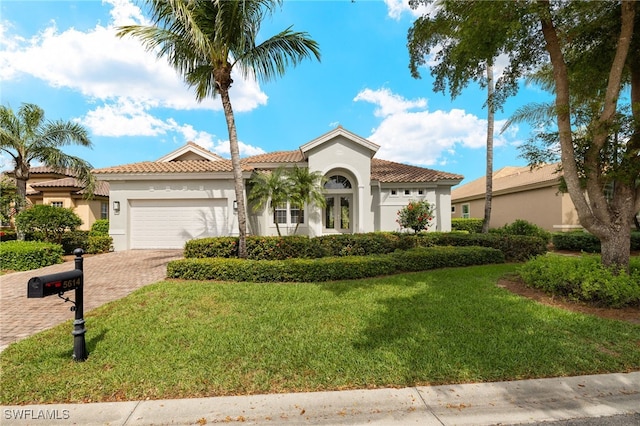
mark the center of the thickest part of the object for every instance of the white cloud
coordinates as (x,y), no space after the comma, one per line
(424,137)
(397,7)
(104,67)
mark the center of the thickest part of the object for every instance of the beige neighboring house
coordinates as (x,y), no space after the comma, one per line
(519,193)
(62,189)
(189,193)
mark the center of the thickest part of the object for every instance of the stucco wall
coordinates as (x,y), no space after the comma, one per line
(546,207)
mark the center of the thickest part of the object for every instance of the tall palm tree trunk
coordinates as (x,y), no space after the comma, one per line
(490,124)
(237,170)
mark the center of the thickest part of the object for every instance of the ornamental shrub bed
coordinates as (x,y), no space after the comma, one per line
(330,268)
(584,279)
(471,225)
(516,248)
(27,255)
(586,242)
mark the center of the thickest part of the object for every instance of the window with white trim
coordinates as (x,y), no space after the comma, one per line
(466,211)
(104,210)
(407,192)
(280,213)
(57,203)
(286,214)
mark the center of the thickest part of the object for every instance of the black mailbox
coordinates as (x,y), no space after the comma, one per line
(51,284)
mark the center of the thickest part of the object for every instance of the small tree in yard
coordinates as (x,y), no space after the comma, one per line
(417,215)
(48,221)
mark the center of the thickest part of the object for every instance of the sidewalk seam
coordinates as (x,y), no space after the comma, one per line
(427,406)
(131,413)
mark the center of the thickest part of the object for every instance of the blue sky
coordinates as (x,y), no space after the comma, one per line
(64,57)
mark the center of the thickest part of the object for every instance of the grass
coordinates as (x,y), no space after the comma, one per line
(195,339)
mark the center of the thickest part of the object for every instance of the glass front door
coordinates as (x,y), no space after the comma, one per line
(338,213)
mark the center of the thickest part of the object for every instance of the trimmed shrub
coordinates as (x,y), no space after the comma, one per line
(516,248)
(211,247)
(330,268)
(73,240)
(99,227)
(422,259)
(99,244)
(584,279)
(8,235)
(471,225)
(290,270)
(27,255)
(522,227)
(586,242)
(280,248)
(48,221)
(360,244)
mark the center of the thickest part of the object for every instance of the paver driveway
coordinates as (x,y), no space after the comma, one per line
(107,277)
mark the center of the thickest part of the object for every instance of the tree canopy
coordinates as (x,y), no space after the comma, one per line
(591,52)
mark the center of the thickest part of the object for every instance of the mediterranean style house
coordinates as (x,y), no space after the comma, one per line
(519,193)
(189,193)
(62,189)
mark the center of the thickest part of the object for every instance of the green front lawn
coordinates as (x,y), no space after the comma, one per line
(195,339)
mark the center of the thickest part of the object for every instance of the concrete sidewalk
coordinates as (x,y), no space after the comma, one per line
(517,402)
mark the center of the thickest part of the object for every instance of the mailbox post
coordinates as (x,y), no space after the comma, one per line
(60,283)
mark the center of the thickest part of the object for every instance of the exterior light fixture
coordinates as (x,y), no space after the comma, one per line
(235,205)
(116,206)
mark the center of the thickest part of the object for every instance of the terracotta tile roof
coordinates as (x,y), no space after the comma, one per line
(508,179)
(276,157)
(389,171)
(68,182)
(188,166)
(102,188)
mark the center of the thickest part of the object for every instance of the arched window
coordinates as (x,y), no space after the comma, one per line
(337,182)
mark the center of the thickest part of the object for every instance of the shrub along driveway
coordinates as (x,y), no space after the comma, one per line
(107,277)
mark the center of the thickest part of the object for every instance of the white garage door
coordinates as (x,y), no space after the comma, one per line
(164,224)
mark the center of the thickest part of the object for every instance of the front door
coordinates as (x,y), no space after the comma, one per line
(338,213)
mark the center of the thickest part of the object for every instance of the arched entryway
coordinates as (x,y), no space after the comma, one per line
(338,214)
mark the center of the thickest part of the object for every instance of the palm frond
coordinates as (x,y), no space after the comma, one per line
(533,113)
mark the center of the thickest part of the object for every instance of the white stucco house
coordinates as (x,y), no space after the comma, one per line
(189,193)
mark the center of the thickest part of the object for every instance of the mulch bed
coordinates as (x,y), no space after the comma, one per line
(630,314)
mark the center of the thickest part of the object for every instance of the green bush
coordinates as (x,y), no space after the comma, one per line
(586,242)
(73,240)
(583,278)
(290,270)
(99,227)
(422,259)
(27,255)
(8,235)
(522,227)
(280,248)
(359,244)
(516,248)
(330,268)
(471,225)
(99,244)
(211,247)
(48,221)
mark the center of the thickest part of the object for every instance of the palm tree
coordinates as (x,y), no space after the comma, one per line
(488,198)
(26,137)
(268,187)
(306,187)
(205,39)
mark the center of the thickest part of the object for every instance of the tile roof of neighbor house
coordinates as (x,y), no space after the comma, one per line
(508,179)
(294,156)
(69,181)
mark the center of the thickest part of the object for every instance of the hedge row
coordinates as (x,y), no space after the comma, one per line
(584,279)
(89,241)
(330,268)
(515,248)
(471,225)
(27,255)
(586,242)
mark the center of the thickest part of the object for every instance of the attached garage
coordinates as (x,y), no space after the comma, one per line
(169,223)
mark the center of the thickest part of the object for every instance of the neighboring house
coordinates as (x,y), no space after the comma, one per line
(189,193)
(519,193)
(62,189)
